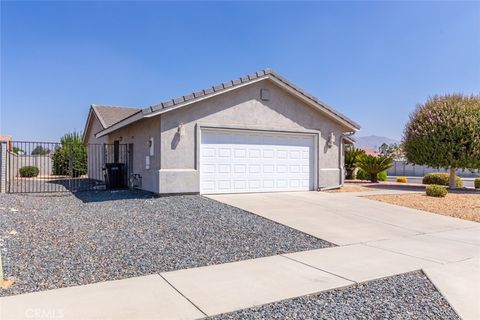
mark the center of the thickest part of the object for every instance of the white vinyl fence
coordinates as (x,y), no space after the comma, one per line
(42,162)
(402,168)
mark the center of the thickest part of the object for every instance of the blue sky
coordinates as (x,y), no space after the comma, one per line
(372,61)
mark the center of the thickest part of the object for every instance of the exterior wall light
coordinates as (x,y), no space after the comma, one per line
(151,146)
(331,140)
(181,130)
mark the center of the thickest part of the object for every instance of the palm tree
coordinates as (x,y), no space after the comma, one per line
(374,165)
(352,155)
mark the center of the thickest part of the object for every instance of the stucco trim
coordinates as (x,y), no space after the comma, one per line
(209,127)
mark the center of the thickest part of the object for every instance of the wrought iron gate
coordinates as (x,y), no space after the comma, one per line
(40,167)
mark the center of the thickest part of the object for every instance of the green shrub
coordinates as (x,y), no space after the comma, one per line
(441,179)
(352,155)
(434,190)
(382,176)
(70,159)
(374,165)
(362,175)
(352,176)
(402,179)
(477,183)
(28,171)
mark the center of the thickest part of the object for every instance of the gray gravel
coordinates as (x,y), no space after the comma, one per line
(56,241)
(406,296)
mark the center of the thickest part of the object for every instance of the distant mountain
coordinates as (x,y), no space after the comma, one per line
(373,141)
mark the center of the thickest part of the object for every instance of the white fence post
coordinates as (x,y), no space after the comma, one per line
(3,166)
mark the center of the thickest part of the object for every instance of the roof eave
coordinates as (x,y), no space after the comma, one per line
(91,113)
(317,104)
(131,119)
(153,113)
(259,76)
(349,140)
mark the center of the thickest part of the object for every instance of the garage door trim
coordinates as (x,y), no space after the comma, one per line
(229,129)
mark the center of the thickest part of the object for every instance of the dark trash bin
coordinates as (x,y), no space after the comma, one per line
(115,176)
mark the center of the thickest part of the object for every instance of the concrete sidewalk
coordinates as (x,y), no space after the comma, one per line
(376,240)
(206,291)
(349,221)
(148,297)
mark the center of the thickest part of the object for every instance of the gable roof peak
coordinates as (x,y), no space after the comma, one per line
(109,115)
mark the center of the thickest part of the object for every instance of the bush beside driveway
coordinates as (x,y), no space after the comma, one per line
(50,242)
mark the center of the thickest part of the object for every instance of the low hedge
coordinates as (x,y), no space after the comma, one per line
(441,179)
(434,190)
(402,179)
(352,177)
(28,171)
(362,175)
(477,183)
(382,176)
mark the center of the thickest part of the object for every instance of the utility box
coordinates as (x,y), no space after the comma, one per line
(115,176)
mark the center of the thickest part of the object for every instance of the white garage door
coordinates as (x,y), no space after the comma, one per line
(235,161)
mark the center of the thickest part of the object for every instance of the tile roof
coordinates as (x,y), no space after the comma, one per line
(110,115)
(240,81)
(113,115)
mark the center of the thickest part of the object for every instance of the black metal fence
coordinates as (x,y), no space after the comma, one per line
(38,167)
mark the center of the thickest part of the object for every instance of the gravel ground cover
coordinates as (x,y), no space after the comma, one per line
(56,241)
(464,206)
(405,296)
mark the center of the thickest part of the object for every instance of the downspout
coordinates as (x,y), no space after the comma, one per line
(342,152)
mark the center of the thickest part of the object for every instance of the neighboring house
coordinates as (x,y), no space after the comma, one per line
(258,133)
(370,151)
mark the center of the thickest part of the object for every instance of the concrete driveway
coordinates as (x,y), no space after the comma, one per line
(343,218)
(375,240)
(372,236)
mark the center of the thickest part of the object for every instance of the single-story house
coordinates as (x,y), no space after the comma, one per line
(258,133)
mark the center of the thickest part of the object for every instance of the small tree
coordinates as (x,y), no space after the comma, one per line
(71,157)
(352,155)
(374,165)
(444,132)
(17,150)
(40,151)
(393,150)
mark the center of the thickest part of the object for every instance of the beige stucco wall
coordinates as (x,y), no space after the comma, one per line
(94,127)
(95,150)
(139,134)
(173,167)
(242,108)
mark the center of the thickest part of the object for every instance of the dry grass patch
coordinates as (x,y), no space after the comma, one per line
(463,206)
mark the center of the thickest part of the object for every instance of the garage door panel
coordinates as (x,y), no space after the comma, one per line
(259,162)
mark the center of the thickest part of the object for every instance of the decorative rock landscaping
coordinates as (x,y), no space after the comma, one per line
(406,296)
(57,241)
